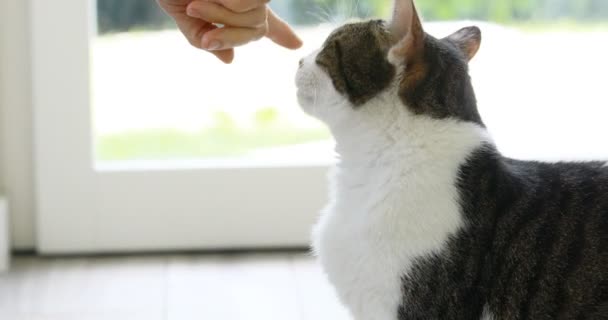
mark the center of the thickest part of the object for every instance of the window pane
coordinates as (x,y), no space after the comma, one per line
(539,79)
(155,97)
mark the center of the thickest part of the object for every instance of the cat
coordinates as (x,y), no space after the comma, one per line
(426,219)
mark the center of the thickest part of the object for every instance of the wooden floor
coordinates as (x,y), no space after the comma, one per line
(262,286)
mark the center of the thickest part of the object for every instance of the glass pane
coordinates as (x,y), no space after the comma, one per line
(157,98)
(538,77)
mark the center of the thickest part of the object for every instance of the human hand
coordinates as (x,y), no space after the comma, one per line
(243,21)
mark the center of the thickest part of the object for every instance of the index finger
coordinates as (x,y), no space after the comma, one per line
(240,6)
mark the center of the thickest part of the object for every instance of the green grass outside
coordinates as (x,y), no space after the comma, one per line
(267,128)
(161,144)
(559,26)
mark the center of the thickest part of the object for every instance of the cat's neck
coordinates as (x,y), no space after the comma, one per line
(371,138)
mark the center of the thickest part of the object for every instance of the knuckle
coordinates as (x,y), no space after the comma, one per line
(261,15)
(255,18)
(194,37)
(236,5)
(241,6)
(261,31)
(194,43)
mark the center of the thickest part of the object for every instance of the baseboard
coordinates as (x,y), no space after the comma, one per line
(4,235)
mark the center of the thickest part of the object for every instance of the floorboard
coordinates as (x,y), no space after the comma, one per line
(169,287)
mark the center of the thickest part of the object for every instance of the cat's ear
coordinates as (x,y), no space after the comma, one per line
(468,40)
(407,31)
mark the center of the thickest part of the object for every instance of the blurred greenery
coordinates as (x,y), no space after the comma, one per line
(224,138)
(267,128)
(515,10)
(121,15)
(213,142)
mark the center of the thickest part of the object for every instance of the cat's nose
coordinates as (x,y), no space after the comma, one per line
(301,63)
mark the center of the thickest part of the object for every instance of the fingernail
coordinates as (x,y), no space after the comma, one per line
(214,45)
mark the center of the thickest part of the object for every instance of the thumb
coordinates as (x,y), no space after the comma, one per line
(281,33)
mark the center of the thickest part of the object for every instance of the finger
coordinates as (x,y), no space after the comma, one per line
(226,56)
(193,29)
(240,6)
(281,33)
(216,13)
(228,37)
(173,7)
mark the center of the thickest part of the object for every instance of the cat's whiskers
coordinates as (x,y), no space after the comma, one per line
(325,15)
(320,15)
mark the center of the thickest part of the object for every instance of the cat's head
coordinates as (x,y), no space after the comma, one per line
(367,66)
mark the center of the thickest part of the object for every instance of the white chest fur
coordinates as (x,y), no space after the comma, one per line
(393,199)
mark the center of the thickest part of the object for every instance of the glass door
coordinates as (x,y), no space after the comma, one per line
(144,143)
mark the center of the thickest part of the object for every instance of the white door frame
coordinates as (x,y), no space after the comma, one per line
(84,209)
(4,235)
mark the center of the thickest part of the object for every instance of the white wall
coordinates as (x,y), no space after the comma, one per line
(16,176)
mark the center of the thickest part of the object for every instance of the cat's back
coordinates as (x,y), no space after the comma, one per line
(575,191)
(532,246)
(549,228)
